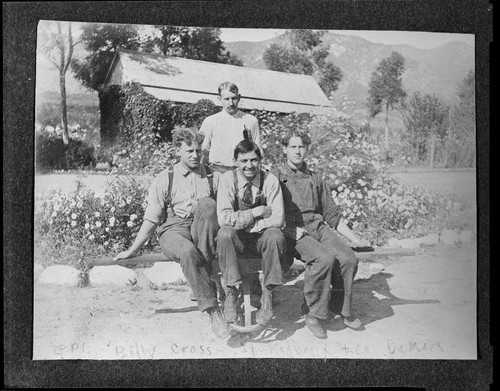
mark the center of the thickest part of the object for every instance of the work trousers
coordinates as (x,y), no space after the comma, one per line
(191,242)
(270,244)
(328,260)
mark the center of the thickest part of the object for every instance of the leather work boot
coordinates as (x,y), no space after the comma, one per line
(314,324)
(265,313)
(230,311)
(219,325)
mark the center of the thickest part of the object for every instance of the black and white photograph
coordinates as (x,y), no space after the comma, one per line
(203,192)
(385,120)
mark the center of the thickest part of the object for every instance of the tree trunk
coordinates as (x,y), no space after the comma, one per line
(387,133)
(432,151)
(64,110)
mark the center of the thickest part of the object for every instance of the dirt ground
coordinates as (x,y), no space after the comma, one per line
(419,307)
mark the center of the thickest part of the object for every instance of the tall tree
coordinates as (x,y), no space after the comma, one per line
(463,121)
(303,55)
(386,89)
(58,48)
(101,41)
(426,120)
(197,43)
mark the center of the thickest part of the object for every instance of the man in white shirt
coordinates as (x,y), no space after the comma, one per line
(227,128)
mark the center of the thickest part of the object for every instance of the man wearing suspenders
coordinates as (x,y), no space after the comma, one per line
(182,210)
(251,214)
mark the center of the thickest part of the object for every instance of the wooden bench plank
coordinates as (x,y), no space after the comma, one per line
(385,252)
(248,265)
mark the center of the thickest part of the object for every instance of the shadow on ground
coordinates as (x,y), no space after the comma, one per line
(372,301)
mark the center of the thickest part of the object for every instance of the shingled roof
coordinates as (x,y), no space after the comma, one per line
(183,80)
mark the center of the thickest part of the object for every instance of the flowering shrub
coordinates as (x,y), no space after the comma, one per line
(96,224)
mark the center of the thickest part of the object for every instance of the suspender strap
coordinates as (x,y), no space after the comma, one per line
(236,198)
(210,177)
(170,183)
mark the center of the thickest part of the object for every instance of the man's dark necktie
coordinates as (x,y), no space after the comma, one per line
(247,195)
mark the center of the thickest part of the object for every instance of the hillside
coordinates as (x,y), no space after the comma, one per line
(435,71)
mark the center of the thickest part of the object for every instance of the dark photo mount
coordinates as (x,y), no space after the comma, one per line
(20,24)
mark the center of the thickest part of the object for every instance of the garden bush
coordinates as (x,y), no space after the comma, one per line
(68,223)
(51,153)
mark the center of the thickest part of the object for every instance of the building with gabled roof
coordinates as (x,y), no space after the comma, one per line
(187,81)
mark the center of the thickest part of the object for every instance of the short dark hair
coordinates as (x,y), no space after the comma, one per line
(186,135)
(246,146)
(228,86)
(306,140)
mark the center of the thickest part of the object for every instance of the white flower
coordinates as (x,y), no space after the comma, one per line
(352,194)
(98,224)
(107,229)
(130,223)
(361,182)
(128,200)
(51,221)
(74,216)
(97,214)
(54,213)
(87,225)
(91,237)
(112,221)
(73,223)
(112,210)
(106,243)
(133,217)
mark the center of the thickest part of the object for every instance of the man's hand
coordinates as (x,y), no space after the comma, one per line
(262,211)
(124,255)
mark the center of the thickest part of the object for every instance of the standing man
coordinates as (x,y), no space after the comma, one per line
(227,128)
(312,222)
(182,212)
(251,214)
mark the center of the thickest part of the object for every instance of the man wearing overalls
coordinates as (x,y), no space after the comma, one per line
(313,224)
(250,213)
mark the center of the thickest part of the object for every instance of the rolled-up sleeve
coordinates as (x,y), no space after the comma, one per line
(274,197)
(157,199)
(330,210)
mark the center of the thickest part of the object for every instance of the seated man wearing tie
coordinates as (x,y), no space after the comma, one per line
(250,213)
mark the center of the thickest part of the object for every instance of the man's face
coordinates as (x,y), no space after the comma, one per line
(190,154)
(296,151)
(229,101)
(248,164)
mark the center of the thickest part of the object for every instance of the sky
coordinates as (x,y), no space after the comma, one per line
(421,40)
